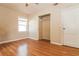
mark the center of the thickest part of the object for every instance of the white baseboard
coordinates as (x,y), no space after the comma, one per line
(56,43)
(25,38)
(11,40)
(32,38)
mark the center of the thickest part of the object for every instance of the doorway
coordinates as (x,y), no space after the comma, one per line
(44,27)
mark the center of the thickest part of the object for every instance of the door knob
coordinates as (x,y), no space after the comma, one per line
(64,28)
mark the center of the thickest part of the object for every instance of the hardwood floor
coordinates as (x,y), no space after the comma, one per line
(37,48)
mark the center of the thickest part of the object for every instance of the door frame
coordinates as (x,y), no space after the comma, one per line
(49,24)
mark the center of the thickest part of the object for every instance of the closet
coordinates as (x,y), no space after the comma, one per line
(44,27)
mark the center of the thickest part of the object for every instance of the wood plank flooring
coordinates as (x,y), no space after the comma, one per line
(37,48)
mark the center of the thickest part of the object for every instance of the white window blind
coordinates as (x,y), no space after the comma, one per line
(22,24)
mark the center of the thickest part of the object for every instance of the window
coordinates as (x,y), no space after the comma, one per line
(22,24)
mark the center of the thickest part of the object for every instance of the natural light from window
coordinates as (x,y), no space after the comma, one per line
(22,24)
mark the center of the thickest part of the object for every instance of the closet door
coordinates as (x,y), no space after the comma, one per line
(46,28)
(70,23)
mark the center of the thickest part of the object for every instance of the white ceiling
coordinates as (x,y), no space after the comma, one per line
(33,8)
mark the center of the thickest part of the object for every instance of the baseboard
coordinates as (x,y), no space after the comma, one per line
(56,43)
(32,38)
(11,40)
(25,38)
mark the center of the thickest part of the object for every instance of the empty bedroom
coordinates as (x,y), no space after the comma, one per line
(39,29)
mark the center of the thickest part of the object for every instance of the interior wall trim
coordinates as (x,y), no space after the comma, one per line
(56,43)
(11,40)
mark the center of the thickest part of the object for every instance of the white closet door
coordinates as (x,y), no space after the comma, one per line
(46,29)
(70,22)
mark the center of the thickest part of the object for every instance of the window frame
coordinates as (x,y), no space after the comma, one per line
(20,25)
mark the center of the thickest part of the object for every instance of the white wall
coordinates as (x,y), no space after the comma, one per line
(55,25)
(33,27)
(8,22)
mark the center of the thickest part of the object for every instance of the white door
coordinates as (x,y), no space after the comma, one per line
(70,22)
(45,27)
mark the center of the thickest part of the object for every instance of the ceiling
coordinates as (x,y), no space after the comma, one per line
(33,8)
